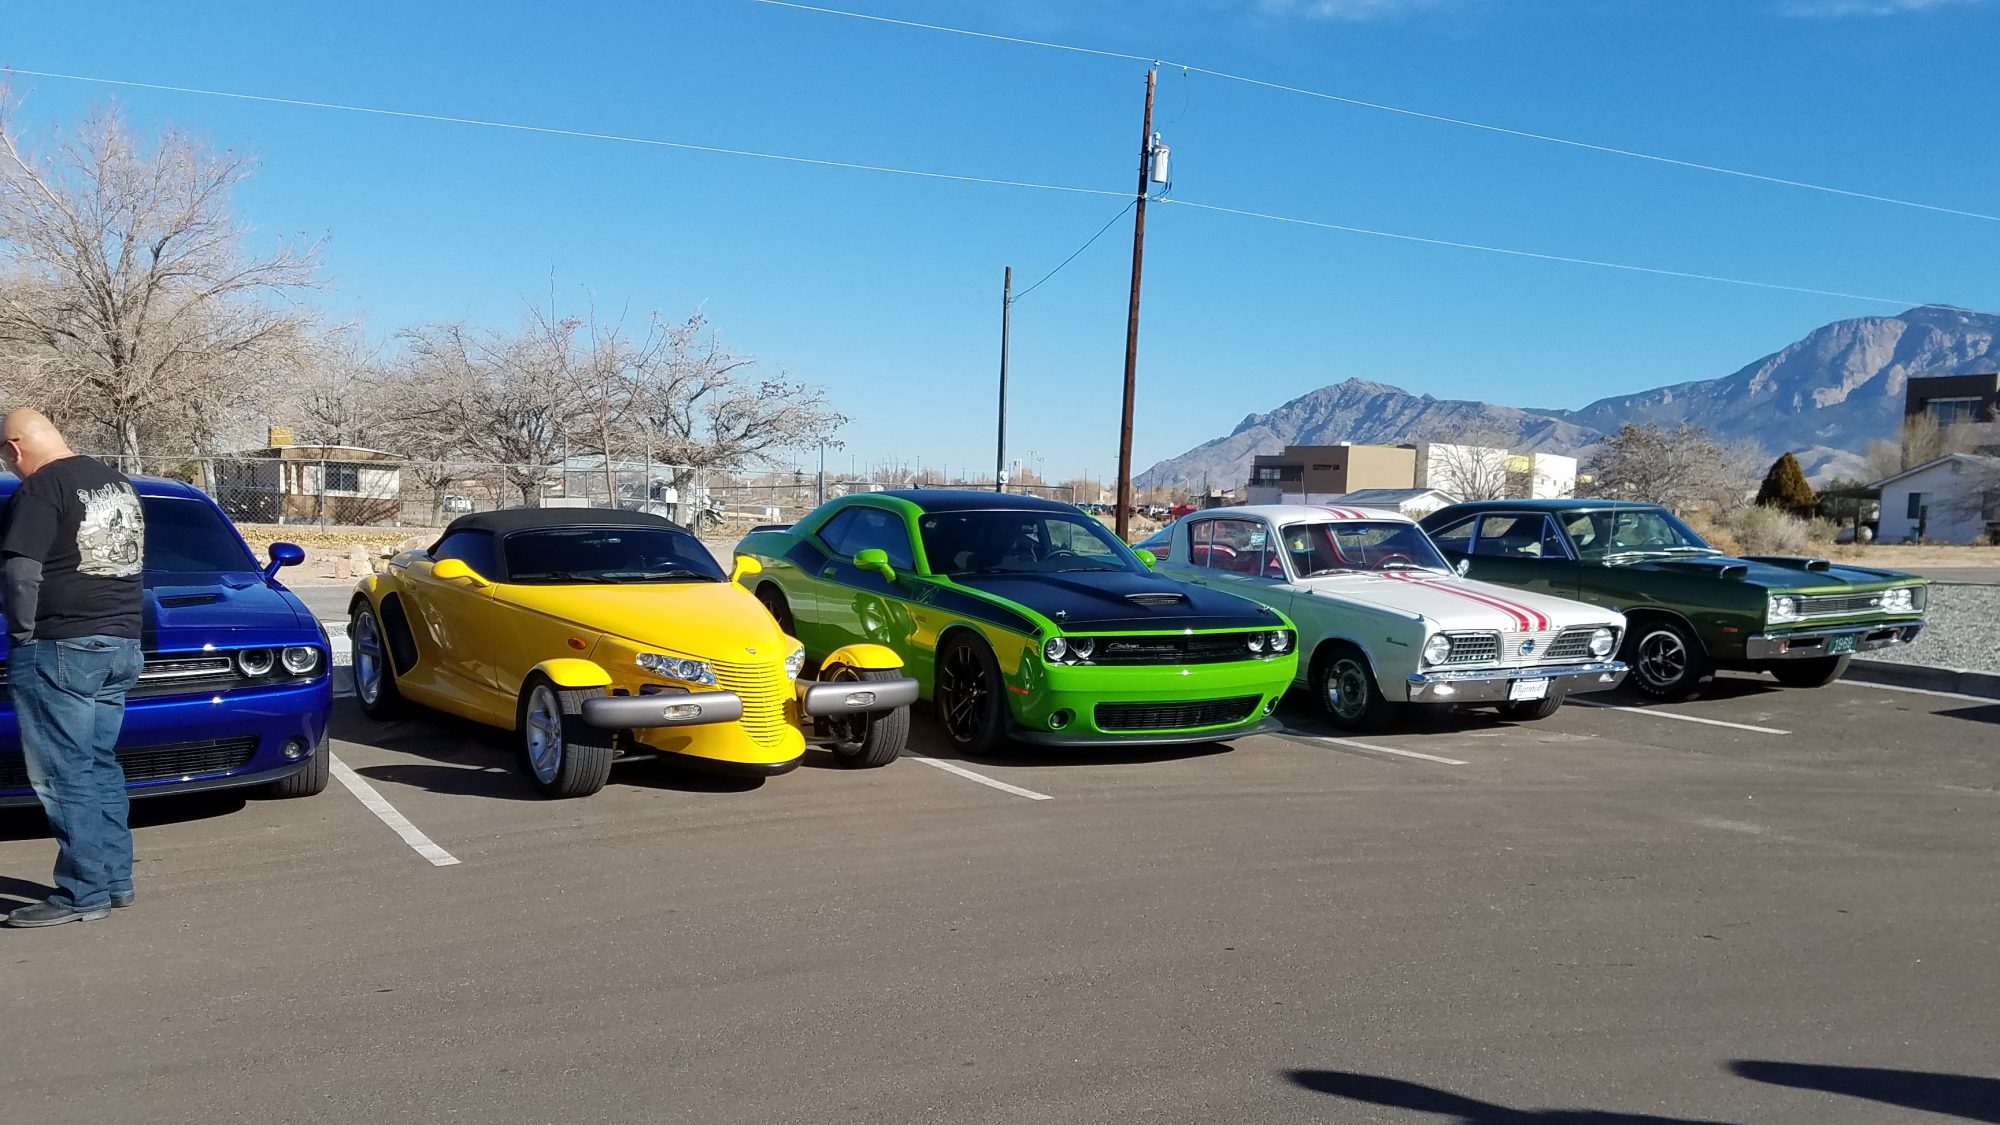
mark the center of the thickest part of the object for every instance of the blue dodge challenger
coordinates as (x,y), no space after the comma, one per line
(237,681)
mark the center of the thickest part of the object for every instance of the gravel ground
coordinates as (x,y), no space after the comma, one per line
(1963,631)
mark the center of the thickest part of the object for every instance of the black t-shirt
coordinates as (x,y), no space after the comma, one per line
(82,521)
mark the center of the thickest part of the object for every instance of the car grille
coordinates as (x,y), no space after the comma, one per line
(1474,648)
(157,763)
(765,690)
(189,674)
(1570,644)
(1840,605)
(1174,716)
(1173,648)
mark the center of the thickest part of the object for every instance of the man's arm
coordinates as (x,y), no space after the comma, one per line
(31,533)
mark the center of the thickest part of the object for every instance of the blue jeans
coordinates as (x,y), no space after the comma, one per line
(69,696)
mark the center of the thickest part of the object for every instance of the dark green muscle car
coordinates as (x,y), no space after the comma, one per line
(1691,610)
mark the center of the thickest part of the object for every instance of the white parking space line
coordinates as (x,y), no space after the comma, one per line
(1659,714)
(1351,744)
(952,767)
(379,805)
(1921,691)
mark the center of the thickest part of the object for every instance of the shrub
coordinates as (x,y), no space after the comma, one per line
(1759,530)
(1785,489)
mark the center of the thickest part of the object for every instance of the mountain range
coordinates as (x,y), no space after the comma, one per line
(1825,398)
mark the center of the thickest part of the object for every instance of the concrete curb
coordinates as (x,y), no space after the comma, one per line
(1961,681)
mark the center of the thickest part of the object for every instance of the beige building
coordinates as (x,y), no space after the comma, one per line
(1310,473)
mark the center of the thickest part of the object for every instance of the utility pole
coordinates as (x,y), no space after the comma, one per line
(1006,312)
(1124,521)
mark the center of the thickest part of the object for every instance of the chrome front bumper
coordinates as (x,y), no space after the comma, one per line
(1818,644)
(1491,685)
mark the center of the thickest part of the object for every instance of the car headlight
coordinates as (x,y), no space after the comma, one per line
(1437,649)
(256,661)
(1055,649)
(1783,607)
(1081,648)
(1257,641)
(1601,643)
(299,659)
(677,668)
(1281,642)
(1902,599)
(795,662)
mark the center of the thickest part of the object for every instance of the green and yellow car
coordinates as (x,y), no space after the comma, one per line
(1025,619)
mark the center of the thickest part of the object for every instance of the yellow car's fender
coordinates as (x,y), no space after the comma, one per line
(370,588)
(573,672)
(864,658)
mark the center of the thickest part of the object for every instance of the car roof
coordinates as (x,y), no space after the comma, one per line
(1566,504)
(508,520)
(145,486)
(1303,513)
(969,500)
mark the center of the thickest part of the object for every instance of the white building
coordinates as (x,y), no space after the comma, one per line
(1476,471)
(1542,476)
(1954,499)
(1412,502)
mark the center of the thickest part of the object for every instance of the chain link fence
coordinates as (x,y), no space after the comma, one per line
(359,488)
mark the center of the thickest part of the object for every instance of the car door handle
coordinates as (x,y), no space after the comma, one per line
(829,572)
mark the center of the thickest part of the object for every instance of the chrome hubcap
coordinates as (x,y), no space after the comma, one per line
(367,641)
(544,733)
(1347,689)
(1663,660)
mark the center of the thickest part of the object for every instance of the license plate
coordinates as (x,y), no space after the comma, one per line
(1838,645)
(1523,690)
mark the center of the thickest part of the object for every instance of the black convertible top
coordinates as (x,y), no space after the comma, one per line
(509,520)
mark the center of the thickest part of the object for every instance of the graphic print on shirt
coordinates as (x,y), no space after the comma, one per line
(110,538)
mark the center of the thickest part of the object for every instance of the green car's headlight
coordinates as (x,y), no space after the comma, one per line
(1783,607)
(677,668)
(1281,642)
(795,662)
(1069,650)
(1902,599)
(1055,649)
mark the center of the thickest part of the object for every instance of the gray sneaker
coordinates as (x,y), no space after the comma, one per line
(120,902)
(39,914)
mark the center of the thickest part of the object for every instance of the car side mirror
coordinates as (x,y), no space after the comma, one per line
(746,567)
(457,570)
(283,555)
(1149,558)
(1463,566)
(875,559)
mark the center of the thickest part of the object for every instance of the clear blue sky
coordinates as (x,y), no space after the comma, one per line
(886,289)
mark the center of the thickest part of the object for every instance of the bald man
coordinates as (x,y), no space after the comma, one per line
(72,543)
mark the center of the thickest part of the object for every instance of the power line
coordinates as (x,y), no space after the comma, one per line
(553,131)
(1512,253)
(1439,118)
(1086,245)
(945,176)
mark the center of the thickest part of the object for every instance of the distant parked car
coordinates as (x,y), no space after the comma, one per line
(237,683)
(1385,623)
(1692,609)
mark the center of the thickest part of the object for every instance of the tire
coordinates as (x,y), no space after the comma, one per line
(374,665)
(1531,710)
(774,603)
(1667,661)
(970,696)
(308,782)
(1810,673)
(1346,689)
(870,739)
(562,756)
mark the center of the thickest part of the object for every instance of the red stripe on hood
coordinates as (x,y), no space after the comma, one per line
(1522,616)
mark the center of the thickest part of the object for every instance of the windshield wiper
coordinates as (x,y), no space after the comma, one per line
(655,575)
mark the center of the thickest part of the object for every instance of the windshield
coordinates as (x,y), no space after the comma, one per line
(190,537)
(1610,532)
(1335,548)
(959,543)
(608,554)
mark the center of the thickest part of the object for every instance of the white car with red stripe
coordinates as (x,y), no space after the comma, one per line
(1384,621)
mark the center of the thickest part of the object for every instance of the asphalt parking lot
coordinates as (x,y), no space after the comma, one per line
(1784,912)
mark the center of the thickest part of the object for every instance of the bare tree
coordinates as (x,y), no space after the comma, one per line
(142,315)
(341,393)
(1469,465)
(1682,468)
(702,406)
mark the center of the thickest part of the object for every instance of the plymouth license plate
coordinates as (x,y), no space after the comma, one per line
(1522,690)
(1838,645)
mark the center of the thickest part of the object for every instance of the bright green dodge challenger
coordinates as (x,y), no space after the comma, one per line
(1025,619)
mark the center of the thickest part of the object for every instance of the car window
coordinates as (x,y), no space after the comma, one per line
(1633,531)
(188,536)
(1235,546)
(861,528)
(1005,541)
(620,554)
(1456,537)
(1331,547)
(475,548)
(1518,536)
